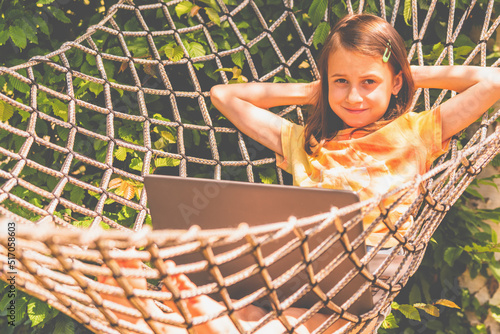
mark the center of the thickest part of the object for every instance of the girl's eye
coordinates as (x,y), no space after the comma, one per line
(341,81)
(369,81)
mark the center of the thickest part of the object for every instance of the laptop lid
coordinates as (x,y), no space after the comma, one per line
(179,203)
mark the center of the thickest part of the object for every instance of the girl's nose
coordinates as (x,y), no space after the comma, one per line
(353,95)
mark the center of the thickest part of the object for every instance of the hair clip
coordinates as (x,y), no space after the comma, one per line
(387,52)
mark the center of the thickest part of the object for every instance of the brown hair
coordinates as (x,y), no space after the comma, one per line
(368,35)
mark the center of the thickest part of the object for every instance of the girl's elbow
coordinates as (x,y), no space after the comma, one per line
(494,80)
(214,93)
(496,85)
(217,95)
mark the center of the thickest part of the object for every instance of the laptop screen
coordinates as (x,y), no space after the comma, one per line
(179,203)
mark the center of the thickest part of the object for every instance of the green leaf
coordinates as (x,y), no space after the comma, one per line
(426,286)
(321,33)
(59,14)
(4,36)
(317,11)
(83,223)
(409,312)
(213,16)
(37,311)
(430,309)
(19,85)
(183,8)
(196,137)
(6,111)
(462,51)
(474,193)
(166,162)
(242,79)
(195,49)
(29,29)
(104,226)
(198,66)
(238,59)
(90,59)
(451,254)
(160,117)
(121,153)
(21,307)
(77,195)
(495,269)
(18,36)
(339,9)
(136,164)
(243,25)
(415,295)
(44,2)
(160,144)
(407,12)
(168,136)
(95,88)
(268,176)
(495,313)
(63,133)
(390,322)
(60,109)
(42,25)
(224,69)
(212,4)
(77,58)
(447,303)
(126,133)
(463,40)
(489,181)
(109,68)
(5,300)
(174,53)
(64,325)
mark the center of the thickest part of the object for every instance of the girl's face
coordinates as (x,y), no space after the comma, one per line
(360,87)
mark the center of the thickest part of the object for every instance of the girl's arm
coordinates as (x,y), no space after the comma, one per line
(478,88)
(245,105)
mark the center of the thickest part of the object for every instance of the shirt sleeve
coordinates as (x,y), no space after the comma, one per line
(428,126)
(292,139)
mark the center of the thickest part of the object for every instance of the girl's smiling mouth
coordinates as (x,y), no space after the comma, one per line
(355,110)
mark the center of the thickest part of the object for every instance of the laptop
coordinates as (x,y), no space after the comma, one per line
(179,203)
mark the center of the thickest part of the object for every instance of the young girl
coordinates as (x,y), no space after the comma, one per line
(360,134)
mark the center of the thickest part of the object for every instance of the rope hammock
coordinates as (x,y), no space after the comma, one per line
(163,99)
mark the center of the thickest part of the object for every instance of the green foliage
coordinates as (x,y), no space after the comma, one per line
(32,315)
(317,11)
(29,28)
(407,11)
(321,34)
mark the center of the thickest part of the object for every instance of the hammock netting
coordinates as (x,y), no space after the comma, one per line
(145,108)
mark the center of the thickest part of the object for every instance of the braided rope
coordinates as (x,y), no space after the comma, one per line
(58,265)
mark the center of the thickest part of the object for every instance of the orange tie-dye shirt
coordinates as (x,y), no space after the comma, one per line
(367,163)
